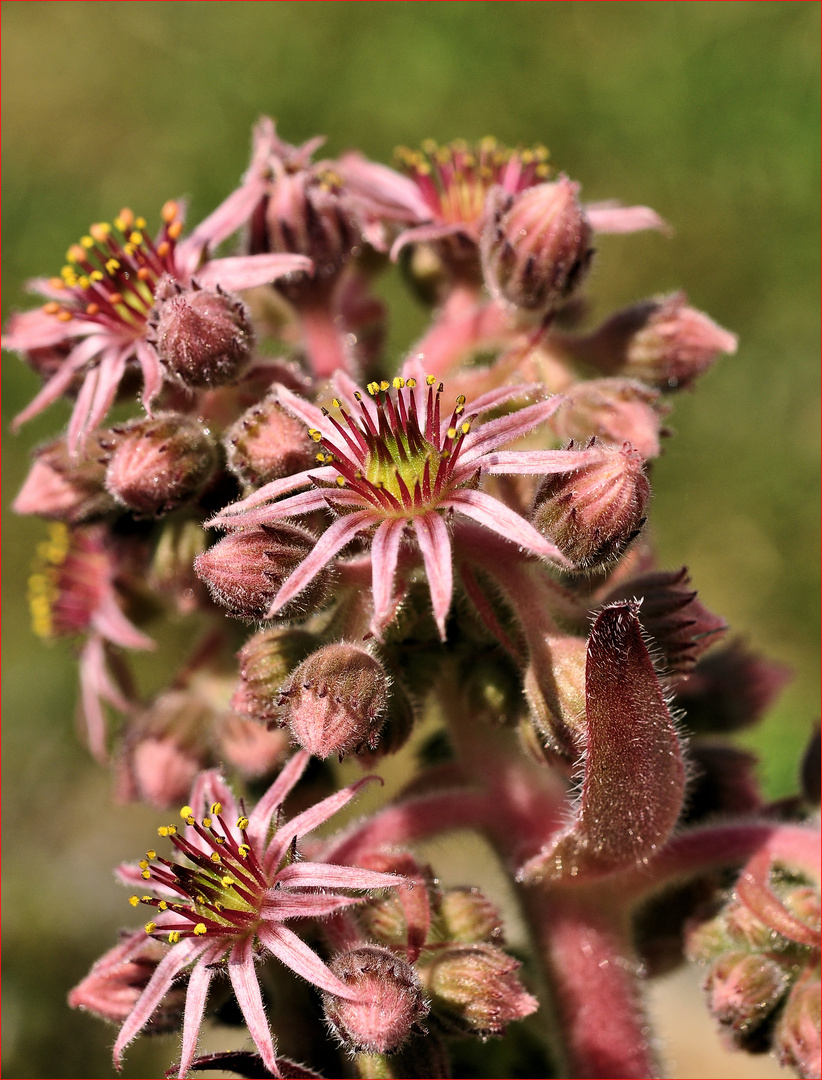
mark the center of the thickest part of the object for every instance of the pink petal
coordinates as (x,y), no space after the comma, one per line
(303,503)
(109,621)
(496,433)
(425,234)
(260,817)
(78,424)
(112,368)
(398,197)
(245,271)
(173,962)
(537,462)
(296,955)
(247,991)
(196,995)
(230,215)
(62,379)
(504,521)
(35,329)
(226,518)
(435,545)
(330,876)
(210,788)
(610,217)
(95,684)
(282,905)
(332,540)
(302,409)
(152,373)
(384,551)
(308,820)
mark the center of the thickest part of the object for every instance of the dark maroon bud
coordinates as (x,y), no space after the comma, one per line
(682,628)
(536,246)
(335,701)
(266,661)
(594,512)
(68,487)
(245,570)
(390,1005)
(475,989)
(267,443)
(160,463)
(203,338)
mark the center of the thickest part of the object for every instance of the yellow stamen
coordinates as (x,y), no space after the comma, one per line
(51,308)
(215,857)
(173,937)
(207,823)
(186,812)
(151,927)
(134,900)
(242,823)
(200,929)
(175,229)
(384,385)
(398,383)
(169,211)
(412,383)
(113,265)
(100,231)
(429,380)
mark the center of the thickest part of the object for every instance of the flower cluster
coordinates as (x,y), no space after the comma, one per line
(451,547)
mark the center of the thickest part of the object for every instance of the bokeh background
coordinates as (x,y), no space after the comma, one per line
(708,112)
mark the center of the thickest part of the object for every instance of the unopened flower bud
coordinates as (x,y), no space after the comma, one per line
(797,1039)
(474,989)
(663,342)
(112,987)
(594,512)
(554,687)
(469,916)
(266,661)
(267,443)
(171,572)
(334,702)
(616,410)
(68,487)
(390,1006)
(536,246)
(249,747)
(203,338)
(160,463)
(680,625)
(743,988)
(245,570)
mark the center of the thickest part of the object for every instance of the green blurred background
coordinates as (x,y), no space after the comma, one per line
(708,112)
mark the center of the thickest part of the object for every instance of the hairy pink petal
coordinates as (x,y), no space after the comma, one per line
(303,503)
(538,462)
(152,373)
(496,433)
(229,216)
(435,546)
(332,540)
(282,905)
(247,991)
(610,217)
(504,521)
(329,876)
(425,234)
(384,551)
(245,271)
(295,954)
(260,817)
(196,995)
(285,485)
(110,621)
(634,774)
(62,379)
(302,409)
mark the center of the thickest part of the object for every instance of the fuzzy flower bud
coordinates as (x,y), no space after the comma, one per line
(250,748)
(536,246)
(68,487)
(245,570)
(475,989)
(798,1039)
(160,463)
(743,988)
(266,661)
(554,687)
(335,700)
(203,338)
(663,342)
(593,513)
(616,410)
(171,572)
(267,443)
(390,1005)
(469,916)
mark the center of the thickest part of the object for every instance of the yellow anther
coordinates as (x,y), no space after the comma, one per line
(207,823)
(214,857)
(51,308)
(460,409)
(163,906)
(358,475)
(129,249)
(357,395)
(87,242)
(451,432)
(219,839)
(440,388)
(216,808)
(143,864)
(57,283)
(185,812)
(173,937)
(175,229)
(373,388)
(75,254)
(112,265)
(242,823)
(445,454)
(429,380)
(316,436)
(336,403)
(384,385)
(169,211)
(84,282)
(465,428)
(340,481)
(162,830)
(136,238)
(151,854)
(200,929)
(461,399)
(244,851)
(163,248)
(320,457)
(398,383)
(134,900)
(100,231)
(146,899)
(146,874)
(412,383)
(97,275)
(140,222)
(125,219)
(151,927)
(227,882)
